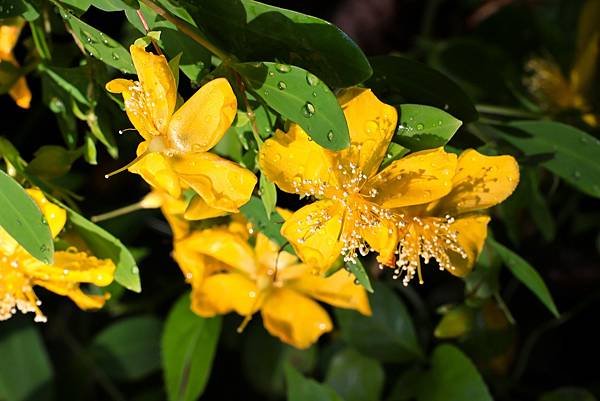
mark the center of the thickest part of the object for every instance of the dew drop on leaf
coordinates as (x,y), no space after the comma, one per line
(281,85)
(330,136)
(308,109)
(312,79)
(282,68)
(420,126)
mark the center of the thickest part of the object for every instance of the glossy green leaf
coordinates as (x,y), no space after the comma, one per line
(268,195)
(256,31)
(526,274)
(74,81)
(105,245)
(188,347)
(415,82)
(264,358)
(23,220)
(360,273)
(270,226)
(538,204)
(301,97)
(452,377)
(299,388)
(17,8)
(424,127)
(568,394)
(100,45)
(130,348)
(568,152)
(25,370)
(394,152)
(52,161)
(355,377)
(388,335)
(455,323)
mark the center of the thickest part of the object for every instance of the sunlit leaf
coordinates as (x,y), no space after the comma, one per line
(424,127)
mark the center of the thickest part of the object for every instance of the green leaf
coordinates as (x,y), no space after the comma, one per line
(538,204)
(264,358)
(130,348)
(52,161)
(255,31)
(424,127)
(452,377)
(415,82)
(394,152)
(23,220)
(300,388)
(270,226)
(568,394)
(301,97)
(17,8)
(268,195)
(355,377)
(74,81)
(100,45)
(188,347)
(388,335)
(25,370)
(105,245)
(456,322)
(568,152)
(360,273)
(526,274)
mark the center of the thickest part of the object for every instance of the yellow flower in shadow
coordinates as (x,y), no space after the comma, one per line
(452,229)
(10,29)
(174,154)
(553,90)
(228,274)
(354,208)
(20,272)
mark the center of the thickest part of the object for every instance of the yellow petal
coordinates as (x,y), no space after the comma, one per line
(202,120)
(415,179)
(294,318)
(480,182)
(224,293)
(471,233)
(198,209)
(156,170)
(9,34)
(314,231)
(297,164)
(221,183)
(20,93)
(270,255)
(157,84)
(8,245)
(55,216)
(584,69)
(135,106)
(371,124)
(383,238)
(338,290)
(222,245)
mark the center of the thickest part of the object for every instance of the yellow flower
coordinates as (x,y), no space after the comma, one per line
(20,272)
(452,230)
(553,90)
(10,30)
(354,203)
(227,274)
(174,154)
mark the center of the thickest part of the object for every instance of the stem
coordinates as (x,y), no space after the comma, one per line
(117,212)
(188,30)
(147,29)
(504,111)
(249,112)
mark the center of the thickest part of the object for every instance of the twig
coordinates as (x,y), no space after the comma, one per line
(249,112)
(147,29)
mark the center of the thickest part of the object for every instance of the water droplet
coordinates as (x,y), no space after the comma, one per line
(576,175)
(312,79)
(282,68)
(420,126)
(266,92)
(135,270)
(271,73)
(356,282)
(19,222)
(439,122)
(44,222)
(308,109)
(330,136)
(371,126)
(276,158)
(281,85)
(314,94)
(115,56)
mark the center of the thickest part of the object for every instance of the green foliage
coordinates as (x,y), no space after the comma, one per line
(355,377)
(22,219)
(188,348)
(424,127)
(358,270)
(300,388)
(301,97)
(25,370)
(388,335)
